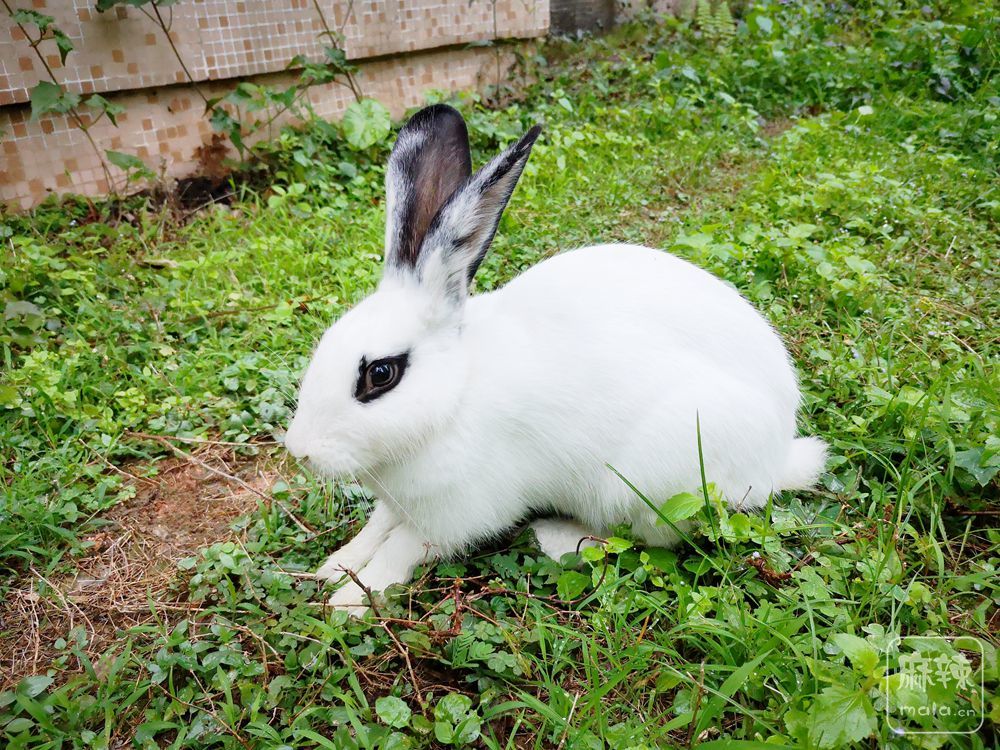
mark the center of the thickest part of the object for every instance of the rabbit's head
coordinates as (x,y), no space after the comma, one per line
(392,370)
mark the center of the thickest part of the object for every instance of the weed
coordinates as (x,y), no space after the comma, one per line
(864,227)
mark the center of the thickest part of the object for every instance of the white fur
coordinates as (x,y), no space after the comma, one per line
(557,536)
(517,402)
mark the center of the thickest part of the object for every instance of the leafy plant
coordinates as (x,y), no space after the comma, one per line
(806,166)
(716,23)
(135,169)
(50,96)
(236,113)
(365,123)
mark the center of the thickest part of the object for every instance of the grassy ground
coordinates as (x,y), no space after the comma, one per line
(840,168)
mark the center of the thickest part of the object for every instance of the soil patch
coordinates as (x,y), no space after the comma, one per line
(773,128)
(131,561)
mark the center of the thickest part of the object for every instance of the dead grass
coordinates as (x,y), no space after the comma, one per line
(128,575)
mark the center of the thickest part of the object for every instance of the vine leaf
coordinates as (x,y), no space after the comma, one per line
(49,97)
(366,123)
(112,110)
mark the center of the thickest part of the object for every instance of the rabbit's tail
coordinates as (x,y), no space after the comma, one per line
(806,460)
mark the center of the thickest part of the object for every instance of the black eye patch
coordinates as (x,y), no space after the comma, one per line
(379,376)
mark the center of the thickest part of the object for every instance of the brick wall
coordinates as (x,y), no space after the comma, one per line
(403,48)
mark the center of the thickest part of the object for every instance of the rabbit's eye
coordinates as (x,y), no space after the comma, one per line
(380,376)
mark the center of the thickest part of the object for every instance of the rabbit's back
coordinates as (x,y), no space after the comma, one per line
(643,305)
(612,355)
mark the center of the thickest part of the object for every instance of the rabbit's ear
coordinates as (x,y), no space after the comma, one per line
(429,161)
(463,229)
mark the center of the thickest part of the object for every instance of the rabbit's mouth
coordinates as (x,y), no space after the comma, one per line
(333,464)
(322,457)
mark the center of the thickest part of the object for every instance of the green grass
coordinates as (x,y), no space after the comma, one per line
(840,170)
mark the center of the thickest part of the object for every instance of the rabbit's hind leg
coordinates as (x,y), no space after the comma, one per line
(559,536)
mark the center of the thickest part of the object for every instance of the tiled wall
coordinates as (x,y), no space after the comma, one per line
(627,10)
(417,45)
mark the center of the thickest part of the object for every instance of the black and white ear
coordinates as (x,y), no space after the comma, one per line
(429,161)
(462,231)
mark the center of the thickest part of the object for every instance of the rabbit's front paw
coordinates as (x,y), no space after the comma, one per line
(351,598)
(352,556)
(359,551)
(334,568)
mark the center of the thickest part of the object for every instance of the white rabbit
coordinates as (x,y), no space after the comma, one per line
(465,415)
